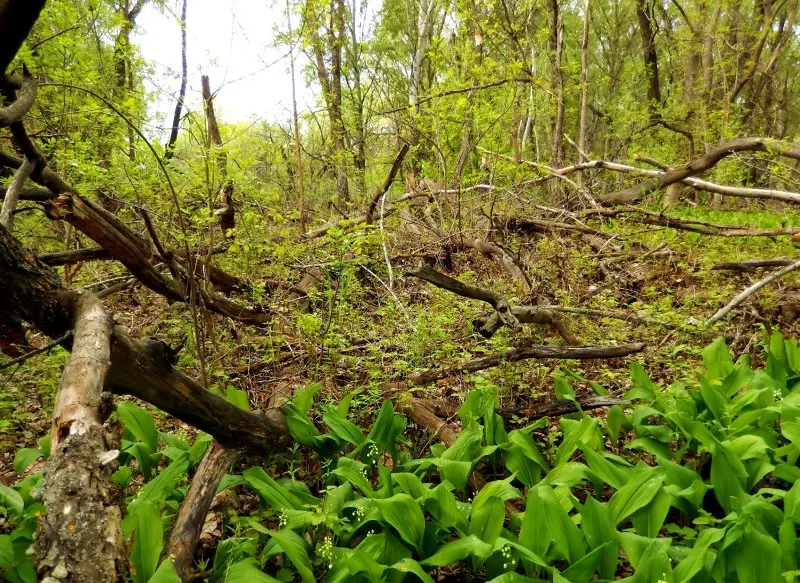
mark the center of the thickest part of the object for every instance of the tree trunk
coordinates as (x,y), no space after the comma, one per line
(227,214)
(557,85)
(644,15)
(169,150)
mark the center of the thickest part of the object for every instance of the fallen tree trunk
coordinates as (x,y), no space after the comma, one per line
(752,265)
(80,537)
(33,293)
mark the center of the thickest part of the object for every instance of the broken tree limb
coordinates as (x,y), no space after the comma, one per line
(635,193)
(517,353)
(17,17)
(559,408)
(752,265)
(195,506)
(80,533)
(33,292)
(527,315)
(647,217)
(387,184)
(15,111)
(13,193)
(497,301)
(746,293)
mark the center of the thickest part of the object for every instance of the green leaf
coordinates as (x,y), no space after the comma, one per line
(304,398)
(458,550)
(487,521)
(523,458)
(272,492)
(696,559)
(757,558)
(247,572)
(139,422)
(165,573)
(613,472)
(343,429)
(11,499)
(648,520)
(599,530)
(718,360)
(237,397)
(641,488)
(350,470)
(294,547)
(587,431)
(25,457)
(300,426)
(148,539)
(413,567)
(404,514)
(562,388)
(160,487)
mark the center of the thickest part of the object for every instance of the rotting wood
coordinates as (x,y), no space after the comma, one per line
(752,265)
(80,537)
(195,506)
(387,184)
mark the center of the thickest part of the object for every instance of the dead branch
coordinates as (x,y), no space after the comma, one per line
(494,299)
(635,193)
(13,193)
(752,265)
(16,20)
(559,408)
(33,293)
(515,354)
(81,531)
(774,276)
(649,217)
(14,112)
(194,508)
(527,315)
(387,184)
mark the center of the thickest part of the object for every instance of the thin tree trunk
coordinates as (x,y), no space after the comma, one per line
(298,160)
(227,217)
(557,84)
(649,54)
(468,131)
(583,119)
(176,118)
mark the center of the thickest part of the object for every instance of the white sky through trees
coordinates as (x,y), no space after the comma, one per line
(231,41)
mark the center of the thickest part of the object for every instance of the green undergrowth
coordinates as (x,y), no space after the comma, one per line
(692,482)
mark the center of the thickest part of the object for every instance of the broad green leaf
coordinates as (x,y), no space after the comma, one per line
(696,559)
(139,422)
(350,470)
(413,567)
(758,558)
(247,572)
(717,359)
(11,499)
(599,530)
(165,573)
(648,520)
(276,495)
(458,550)
(300,426)
(586,431)
(148,539)
(610,471)
(237,397)
(295,548)
(486,522)
(582,570)
(160,487)
(304,398)
(404,514)
(343,429)
(644,483)
(25,457)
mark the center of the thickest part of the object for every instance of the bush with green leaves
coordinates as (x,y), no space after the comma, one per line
(696,482)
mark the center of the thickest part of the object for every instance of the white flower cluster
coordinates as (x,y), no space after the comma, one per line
(508,560)
(325,551)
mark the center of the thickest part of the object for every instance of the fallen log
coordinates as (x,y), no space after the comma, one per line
(80,536)
(33,293)
(752,265)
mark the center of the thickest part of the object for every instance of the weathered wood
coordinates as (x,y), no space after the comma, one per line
(15,111)
(387,184)
(527,315)
(194,508)
(523,353)
(708,160)
(752,265)
(33,293)
(494,299)
(80,537)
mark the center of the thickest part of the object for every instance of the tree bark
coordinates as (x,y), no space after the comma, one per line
(169,149)
(644,15)
(227,217)
(80,536)
(17,17)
